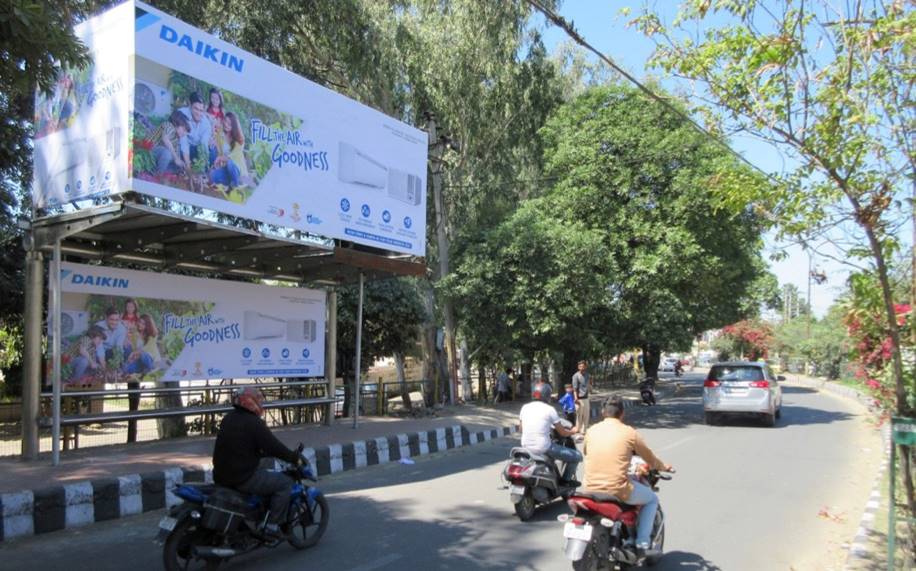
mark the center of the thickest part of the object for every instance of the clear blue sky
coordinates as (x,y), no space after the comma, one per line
(599,22)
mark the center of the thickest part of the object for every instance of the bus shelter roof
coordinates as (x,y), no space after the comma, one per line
(147,237)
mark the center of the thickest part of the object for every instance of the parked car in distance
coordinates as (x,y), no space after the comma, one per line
(742,387)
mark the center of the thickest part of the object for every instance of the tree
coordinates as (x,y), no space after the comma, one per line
(831,86)
(35,37)
(747,339)
(628,249)
(680,261)
(392,314)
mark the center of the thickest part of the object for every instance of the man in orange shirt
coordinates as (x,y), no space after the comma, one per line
(609,447)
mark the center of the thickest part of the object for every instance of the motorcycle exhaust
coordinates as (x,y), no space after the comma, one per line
(214,552)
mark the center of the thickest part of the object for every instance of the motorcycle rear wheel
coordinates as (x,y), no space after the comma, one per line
(307,528)
(524,509)
(176,553)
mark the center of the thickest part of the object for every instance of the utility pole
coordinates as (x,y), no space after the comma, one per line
(437,148)
(810,275)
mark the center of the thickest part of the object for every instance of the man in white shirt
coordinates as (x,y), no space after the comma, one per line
(536,420)
(200,137)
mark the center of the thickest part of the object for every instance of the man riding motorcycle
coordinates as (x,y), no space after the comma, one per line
(609,447)
(242,441)
(536,420)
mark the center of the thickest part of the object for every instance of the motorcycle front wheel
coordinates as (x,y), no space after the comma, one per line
(178,551)
(308,525)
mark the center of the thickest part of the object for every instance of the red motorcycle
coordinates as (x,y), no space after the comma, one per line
(601,532)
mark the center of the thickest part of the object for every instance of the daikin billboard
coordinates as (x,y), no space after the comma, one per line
(170,111)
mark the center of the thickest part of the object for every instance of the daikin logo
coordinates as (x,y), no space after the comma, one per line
(99,281)
(201,48)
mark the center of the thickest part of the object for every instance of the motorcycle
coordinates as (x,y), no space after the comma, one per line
(534,479)
(678,369)
(647,391)
(601,532)
(214,524)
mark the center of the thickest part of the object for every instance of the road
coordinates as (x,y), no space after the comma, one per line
(745,498)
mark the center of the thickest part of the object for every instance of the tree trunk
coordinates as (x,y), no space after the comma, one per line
(568,368)
(651,357)
(172,427)
(481,382)
(524,389)
(402,382)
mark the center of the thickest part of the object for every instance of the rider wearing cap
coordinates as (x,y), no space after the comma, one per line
(536,420)
(242,441)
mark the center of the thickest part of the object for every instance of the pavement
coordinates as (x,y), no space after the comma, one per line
(745,497)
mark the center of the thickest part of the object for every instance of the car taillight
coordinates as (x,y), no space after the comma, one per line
(578,521)
(711,383)
(760,384)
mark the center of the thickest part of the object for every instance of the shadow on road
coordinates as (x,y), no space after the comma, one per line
(792,415)
(682,560)
(797,390)
(391,536)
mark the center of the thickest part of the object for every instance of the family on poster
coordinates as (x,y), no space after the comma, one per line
(200,131)
(125,342)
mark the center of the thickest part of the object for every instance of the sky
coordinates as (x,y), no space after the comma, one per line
(599,22)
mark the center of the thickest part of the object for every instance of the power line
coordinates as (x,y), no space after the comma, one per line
(572,33)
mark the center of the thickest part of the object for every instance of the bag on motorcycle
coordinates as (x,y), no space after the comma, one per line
(224,511)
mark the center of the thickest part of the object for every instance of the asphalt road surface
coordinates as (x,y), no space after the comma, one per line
(745,497)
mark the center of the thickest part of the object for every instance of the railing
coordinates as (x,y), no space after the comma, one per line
(116,415)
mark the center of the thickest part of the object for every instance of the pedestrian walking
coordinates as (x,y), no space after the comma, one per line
(580,384)
(502,385)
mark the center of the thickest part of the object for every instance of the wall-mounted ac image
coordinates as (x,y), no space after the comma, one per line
(79,162)
(302,330)
(357,167)
(256,325)
(151,99)
(72,322)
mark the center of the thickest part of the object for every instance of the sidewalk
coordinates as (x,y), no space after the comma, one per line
(119,460)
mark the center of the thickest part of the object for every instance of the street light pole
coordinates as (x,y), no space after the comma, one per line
(443,254)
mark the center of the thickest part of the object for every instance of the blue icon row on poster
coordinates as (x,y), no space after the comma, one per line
(366,212)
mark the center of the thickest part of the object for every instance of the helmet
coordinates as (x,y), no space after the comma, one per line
(541,392)
(249,398)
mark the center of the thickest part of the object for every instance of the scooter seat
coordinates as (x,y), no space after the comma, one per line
(518,451)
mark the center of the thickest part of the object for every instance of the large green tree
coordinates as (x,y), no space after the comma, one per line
(632,247)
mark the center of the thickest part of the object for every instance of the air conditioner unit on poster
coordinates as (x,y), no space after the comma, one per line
(404,187)
(357,167)
(73,322)
(81,162)
(301,330)
(256,325)
(151,99)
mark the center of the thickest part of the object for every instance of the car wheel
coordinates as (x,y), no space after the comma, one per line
(778,413)
(711,418)
(769,420)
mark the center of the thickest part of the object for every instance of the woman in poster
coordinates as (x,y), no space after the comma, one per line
(233,130)
(145,353)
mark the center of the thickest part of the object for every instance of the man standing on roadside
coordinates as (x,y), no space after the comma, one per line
(580,390)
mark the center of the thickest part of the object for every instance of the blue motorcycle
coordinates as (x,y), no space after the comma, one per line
(214,524)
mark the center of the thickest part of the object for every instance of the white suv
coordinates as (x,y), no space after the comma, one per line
(742,387)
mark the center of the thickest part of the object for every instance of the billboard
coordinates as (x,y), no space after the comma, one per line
(212,125)
(119,325)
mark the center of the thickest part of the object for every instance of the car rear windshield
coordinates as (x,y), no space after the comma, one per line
(736,373)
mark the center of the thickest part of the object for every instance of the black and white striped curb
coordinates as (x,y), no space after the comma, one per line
(859,549)
(33,512)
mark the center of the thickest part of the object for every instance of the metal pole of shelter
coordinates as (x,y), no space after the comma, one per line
(54,281)
(32,364)
(330,367)
(359,343)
